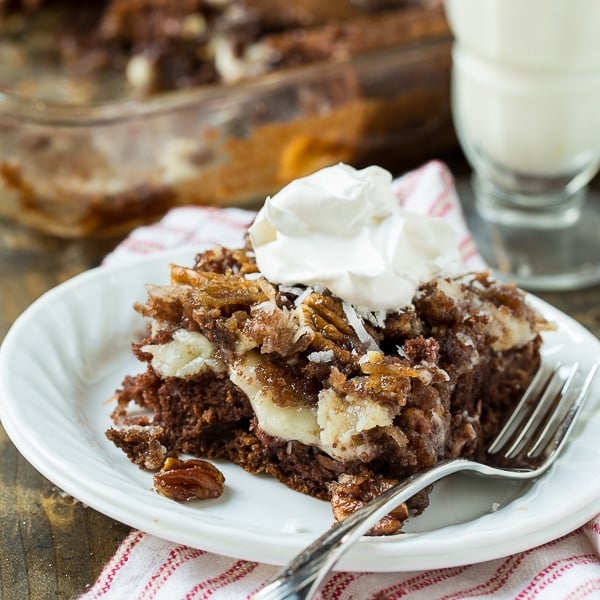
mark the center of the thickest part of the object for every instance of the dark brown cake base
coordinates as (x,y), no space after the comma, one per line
(213,418)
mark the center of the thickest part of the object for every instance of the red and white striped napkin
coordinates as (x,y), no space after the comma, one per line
(427,190)
(146,567)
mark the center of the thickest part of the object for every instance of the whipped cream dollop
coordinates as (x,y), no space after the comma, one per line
(343,229)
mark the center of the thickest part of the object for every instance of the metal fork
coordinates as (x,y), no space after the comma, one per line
(525,448)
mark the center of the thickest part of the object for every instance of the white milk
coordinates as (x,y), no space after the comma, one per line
(527,82)
(553,35)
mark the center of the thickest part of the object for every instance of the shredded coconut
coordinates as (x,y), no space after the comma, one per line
(303,296)
(375,317)
(268,307)
(401,352)
(322,356)
(356,323)
(292,289)
(304,330)
(464,339)
(253,276)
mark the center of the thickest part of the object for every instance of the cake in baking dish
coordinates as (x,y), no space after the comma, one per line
(340,350)
(118,110)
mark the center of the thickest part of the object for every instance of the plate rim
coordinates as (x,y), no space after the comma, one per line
(378,552)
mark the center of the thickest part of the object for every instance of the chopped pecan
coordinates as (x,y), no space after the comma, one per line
(351,492)
(380,365)
(217,291)
(389,388)
(324,315)
(225,261)
(192,479)
(327,316)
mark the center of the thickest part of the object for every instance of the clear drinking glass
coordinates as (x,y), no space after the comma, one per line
(526,108)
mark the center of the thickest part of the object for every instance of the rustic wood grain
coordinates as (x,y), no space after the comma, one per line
(51,545)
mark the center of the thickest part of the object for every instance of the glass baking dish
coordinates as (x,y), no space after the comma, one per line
(90,170)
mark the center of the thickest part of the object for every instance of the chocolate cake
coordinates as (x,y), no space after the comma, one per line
(335,400)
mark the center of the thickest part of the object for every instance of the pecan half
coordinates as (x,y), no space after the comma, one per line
(324,315)
(186,480)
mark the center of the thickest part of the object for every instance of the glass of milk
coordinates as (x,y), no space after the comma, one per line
(526,107)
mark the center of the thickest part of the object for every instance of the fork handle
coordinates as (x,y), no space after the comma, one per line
(302,577)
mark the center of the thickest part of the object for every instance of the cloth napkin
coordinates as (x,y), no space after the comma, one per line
(146,567)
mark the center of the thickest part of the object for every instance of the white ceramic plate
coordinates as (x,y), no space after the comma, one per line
(66,354)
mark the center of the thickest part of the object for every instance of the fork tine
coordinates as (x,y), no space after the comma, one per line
(554,414)
(543,410)
(536,389)
(549,447)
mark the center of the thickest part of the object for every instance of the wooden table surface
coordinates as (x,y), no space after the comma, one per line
(52,546)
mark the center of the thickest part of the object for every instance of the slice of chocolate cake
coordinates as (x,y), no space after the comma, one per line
(339,351)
